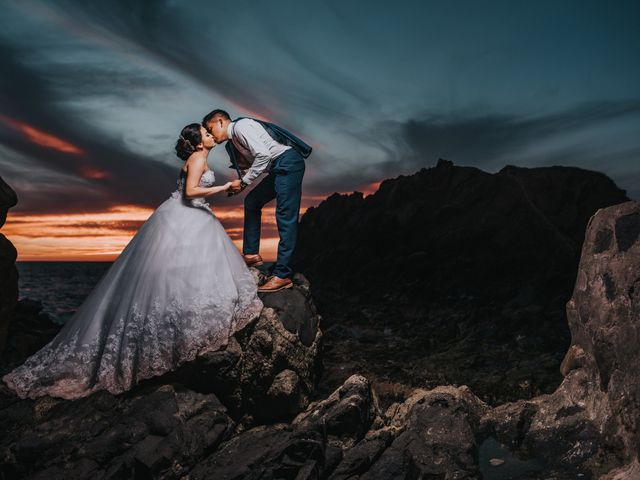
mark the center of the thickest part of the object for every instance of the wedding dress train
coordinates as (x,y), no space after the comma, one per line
(179,288)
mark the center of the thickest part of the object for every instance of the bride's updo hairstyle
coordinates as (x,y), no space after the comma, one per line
(189,137)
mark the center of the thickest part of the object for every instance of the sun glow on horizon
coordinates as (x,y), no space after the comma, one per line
(101,236)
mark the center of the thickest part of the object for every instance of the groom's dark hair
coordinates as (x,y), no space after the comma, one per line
(215,113)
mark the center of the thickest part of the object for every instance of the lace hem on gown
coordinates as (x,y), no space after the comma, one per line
(178,289)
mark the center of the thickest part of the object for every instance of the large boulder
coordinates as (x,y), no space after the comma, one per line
(592,421)
(270,368)
(8,271)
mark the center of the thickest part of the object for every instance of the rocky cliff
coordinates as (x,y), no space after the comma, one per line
(452,275)
(452,231)
(8,272)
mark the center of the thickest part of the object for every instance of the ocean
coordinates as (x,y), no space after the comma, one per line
(61,287)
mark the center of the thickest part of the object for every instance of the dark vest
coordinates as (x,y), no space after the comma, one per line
(276,132)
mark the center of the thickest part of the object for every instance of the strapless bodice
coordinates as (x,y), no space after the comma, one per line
(208,179)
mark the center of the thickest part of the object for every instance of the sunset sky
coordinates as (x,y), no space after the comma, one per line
(94,94)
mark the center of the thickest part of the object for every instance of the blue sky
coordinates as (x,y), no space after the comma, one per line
(378,88)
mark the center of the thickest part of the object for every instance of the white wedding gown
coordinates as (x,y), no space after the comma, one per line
(179,288)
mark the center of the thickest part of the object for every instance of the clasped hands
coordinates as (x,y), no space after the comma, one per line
(236,187)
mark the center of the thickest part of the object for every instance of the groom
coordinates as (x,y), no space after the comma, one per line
(256,147)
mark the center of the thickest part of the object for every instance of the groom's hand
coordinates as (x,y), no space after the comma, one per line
(235,187)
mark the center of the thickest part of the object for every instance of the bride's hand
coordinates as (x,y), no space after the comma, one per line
(227,186)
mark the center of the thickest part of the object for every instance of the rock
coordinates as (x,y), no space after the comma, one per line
(8,271)
(167,424)
(153,432)
(269,369)
(310,447)
(455,230)
(8,199)
(591,421)
(447,261)
(627,472)
(29,330)
(574,358)
(347,414)
(438,432)
(275,451)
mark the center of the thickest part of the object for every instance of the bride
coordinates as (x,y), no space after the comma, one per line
(179,288)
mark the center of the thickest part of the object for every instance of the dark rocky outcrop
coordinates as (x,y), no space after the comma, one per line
(135,435)
(267,372)
(269,369)
(593,419)
(452,275)
(29,330)
(452,231)
(8,271)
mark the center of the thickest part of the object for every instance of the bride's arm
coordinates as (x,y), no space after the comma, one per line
(192,189)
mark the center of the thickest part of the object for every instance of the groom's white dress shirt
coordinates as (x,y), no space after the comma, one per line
(255,145)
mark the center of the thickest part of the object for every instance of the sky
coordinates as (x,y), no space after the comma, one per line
(95,93)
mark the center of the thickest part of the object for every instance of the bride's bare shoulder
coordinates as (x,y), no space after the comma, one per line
(197,162)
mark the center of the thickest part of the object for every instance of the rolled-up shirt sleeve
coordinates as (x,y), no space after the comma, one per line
(253,135)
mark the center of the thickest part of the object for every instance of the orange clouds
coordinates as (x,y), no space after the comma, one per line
(76,236)
(101,236)
(371,188)
(41,138)
(91,173)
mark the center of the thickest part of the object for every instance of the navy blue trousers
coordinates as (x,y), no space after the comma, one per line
(284,183)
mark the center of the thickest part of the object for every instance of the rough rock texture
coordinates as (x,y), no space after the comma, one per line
(8,271)
(269,369)
(433,434)
(152,432)
(452,276)
(592,420)
(308,447)
(436,436)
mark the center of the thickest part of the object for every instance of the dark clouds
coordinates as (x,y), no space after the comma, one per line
(27,101)
(379,91)
(484,139)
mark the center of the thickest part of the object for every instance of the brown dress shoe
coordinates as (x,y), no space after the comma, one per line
(275,283)
(254,260)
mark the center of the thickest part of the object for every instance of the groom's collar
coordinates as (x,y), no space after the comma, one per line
(230,130)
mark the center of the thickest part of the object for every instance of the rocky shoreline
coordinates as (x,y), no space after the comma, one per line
(259,408)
